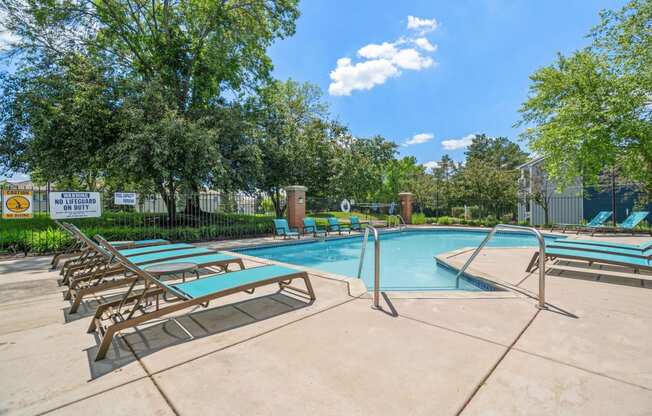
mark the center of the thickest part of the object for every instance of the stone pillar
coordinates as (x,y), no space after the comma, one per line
(406,206)
(296,197)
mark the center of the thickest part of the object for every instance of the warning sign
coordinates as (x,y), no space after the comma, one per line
(17,204)
(75,205)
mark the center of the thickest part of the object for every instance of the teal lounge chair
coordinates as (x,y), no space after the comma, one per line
(281,228)
(634,262)
(629,224)
(152,249)
(335,225)
(608,244)
(110,274)
(624,250)
(310,227)
(135,309)
(356,225)
(597,221)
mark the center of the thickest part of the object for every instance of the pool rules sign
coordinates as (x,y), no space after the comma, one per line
(17,204)
(75,205)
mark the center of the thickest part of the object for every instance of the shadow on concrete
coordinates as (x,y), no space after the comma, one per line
(26,265)
(199,323)
(15,291)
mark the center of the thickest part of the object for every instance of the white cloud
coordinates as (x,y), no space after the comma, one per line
(379,62)
(361,76)
(433,164)
(422,25)
(412,59)
(420,138)
(425,44)
(385,50)
(454,144)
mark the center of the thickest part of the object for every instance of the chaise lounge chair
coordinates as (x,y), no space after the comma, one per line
(635,262)
(112,274)
(597,221)
(629,224)
(310,227)
(135,309)
(589,243)
(281,228)
(78,248)
(335,225)
(356,225)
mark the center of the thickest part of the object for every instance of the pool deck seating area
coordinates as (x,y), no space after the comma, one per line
(428,353)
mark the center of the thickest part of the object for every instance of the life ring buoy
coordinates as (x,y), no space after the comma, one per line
(345,205)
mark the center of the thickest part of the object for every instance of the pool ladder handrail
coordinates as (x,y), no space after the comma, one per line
(542,257)
(401,227)
(376,261)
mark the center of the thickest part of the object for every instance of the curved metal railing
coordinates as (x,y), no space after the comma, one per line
(376,261)
(542,257)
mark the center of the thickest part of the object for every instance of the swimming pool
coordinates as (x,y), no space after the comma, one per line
(406,258)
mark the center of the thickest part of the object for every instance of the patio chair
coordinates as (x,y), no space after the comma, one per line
(629,224)
(356,225)
(596,221)
(111,274)
(335,225)
(281,228)
(310,226)
(623,250)
(635,262)
(135,309)
(609,244)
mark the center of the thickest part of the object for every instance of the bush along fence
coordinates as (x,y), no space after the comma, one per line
(191,217)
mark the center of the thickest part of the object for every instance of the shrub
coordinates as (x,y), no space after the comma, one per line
(418,219)
(444,220)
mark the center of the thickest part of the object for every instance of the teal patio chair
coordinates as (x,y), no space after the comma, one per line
(613,248)
(335,225)
(108,274)
(281,228)
(636,248)
(596,221)
(356,225)
(635,262)
(629,224)
(310,227)
(134,309)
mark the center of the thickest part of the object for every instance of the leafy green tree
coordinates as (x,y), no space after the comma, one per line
(593,109)
(295,139)
(58,120)
(182,64)
(496,151)
(360,167)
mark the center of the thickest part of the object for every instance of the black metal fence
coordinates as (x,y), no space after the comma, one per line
(190,217)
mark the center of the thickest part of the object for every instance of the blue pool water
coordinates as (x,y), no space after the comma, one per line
(407,259)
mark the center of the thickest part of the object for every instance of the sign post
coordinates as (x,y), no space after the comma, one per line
(66,205)
(17,203)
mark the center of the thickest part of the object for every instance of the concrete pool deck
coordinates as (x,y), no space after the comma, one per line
(269,353)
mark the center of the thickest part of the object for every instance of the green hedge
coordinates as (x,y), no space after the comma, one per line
(41,235)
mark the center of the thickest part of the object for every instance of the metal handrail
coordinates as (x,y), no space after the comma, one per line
(376,261)
(542,257)
(402,221)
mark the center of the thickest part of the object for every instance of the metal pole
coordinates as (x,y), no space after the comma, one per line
(542,257)
(376,270)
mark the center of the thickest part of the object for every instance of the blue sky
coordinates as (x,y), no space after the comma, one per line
(474,82)
(430,72)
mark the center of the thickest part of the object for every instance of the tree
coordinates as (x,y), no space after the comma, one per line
(295,139)
(593,109)
(185,62)
(496,151)
(360,167)
(58,120)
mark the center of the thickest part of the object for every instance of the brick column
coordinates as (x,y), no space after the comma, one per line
(296,197)
(406,206)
